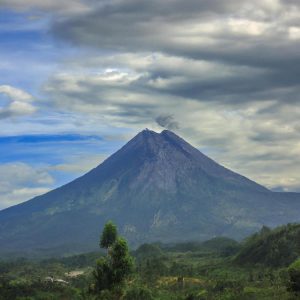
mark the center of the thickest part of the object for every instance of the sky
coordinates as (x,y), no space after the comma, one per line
(79,78)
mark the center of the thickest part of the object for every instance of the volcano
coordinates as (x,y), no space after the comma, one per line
(155,188)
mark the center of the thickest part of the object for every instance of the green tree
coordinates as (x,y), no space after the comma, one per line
(112,270)
(294,277)
(109,235)
(121,261)
(103,275)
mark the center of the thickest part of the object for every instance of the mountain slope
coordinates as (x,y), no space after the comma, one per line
(156,187)
(273,248)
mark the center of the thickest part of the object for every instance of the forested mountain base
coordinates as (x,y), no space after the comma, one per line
(217,269)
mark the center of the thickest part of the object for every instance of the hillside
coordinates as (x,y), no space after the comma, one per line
(274,248)
(184,271)
(155,188)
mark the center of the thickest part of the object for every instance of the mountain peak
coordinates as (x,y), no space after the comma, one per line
(148,131)
(164,133)
(168,154)
(167,131)
(152,132)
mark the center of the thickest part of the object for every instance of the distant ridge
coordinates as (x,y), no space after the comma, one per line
(157,187)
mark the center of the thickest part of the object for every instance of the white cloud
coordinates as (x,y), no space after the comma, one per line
(264,147)
(80,165)
(294,33)
(21,182)
(15,93)
(247,27)
(16,102)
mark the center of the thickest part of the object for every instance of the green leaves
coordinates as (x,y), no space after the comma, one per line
(121,261)
(112,270)
(274,248)
(294,276)
(109,235)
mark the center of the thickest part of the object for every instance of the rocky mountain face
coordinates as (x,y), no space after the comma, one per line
(155,188)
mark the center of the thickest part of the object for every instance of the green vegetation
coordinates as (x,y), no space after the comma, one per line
(294,276)
(273,248)
(264,266)
(109,235)
(112,271)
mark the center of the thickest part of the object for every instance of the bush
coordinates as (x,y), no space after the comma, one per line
(294,276)
(138,293)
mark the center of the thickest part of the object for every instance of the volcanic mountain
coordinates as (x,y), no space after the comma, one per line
(155,188)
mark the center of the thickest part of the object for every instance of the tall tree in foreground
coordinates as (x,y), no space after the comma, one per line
(109,235)
(121,261)
(112,270)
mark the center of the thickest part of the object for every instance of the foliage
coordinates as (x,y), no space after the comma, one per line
(273,248)
(121,261)
(148,250)
(138,292)
(109,235)
(220,245)
(152,268)
(74,261)
(161,273)
(103,275)
(294,277)
(112,270)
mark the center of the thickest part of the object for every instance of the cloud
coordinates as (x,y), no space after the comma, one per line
(65,7)
(183,29)
(15,94)
(254,43)
(167,121)
(20,182)
(80,165)
(18,102)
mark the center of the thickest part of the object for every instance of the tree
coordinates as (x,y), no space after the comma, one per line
(109,235)
(121,261)
(112,270)
(103,275)
(294,277)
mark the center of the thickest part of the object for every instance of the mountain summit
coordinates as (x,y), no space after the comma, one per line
(156,188)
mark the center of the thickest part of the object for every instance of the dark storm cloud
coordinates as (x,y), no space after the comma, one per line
(141,25)
(225,32)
